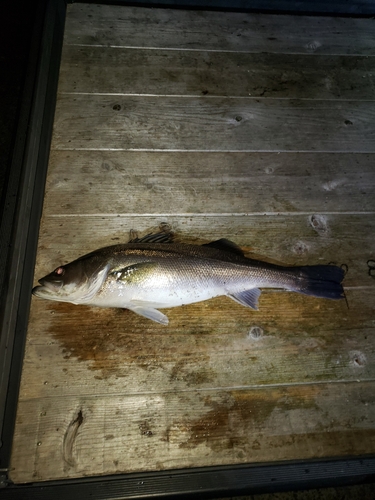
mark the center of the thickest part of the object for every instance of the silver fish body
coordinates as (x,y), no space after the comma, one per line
(145,276)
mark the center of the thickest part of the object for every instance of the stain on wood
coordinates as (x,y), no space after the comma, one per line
(220,427)
(193,427)
(206,345)
(275,154)
(70,437)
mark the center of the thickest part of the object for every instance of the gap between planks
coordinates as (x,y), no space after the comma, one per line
(209,214)
(223,51)
(166,150)
(188,96)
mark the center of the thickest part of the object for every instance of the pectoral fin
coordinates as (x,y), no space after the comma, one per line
(247,298)
(150,313)
(134,273)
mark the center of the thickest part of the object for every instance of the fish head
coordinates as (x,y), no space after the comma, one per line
(75,282)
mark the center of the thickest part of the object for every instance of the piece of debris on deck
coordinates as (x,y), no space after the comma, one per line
(255,128)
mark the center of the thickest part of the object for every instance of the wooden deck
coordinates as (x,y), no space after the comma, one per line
(256,128)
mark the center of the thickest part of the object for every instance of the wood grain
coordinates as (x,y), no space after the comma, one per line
(146,71)
(220,124)
(135,27)
(170,430)
(83,182)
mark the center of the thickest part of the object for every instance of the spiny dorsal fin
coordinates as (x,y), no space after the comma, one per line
(161,237)
(225,245)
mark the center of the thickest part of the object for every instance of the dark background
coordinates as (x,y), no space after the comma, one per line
(16,22)
(17,18)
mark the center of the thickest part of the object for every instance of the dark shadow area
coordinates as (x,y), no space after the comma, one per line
(16,23)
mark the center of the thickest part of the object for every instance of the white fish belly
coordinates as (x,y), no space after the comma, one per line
(164,291)
(120,296)
(174,298)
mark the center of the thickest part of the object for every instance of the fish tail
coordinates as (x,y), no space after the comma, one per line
(320,281)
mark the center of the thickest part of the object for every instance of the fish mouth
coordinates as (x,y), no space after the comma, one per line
(41,291)
(38,291)
(54,285)
(47,288)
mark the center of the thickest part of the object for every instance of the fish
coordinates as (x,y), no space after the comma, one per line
(154,272)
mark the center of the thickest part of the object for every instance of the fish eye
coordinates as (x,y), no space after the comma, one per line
(59,271)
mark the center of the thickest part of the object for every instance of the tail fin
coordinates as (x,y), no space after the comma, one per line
(321,281)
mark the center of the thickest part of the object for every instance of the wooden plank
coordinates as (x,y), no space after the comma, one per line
(165,431)
(221,124)
(217,344)
(184,29)
(144,71)
(290,239)
(218,332)
(82,182)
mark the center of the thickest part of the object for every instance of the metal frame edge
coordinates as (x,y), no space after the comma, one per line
(23,206)
(355,8)
(205,482)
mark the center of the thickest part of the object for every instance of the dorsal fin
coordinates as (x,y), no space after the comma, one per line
(225,245)
(161,237)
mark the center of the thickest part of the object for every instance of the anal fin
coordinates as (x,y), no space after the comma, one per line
(247,298)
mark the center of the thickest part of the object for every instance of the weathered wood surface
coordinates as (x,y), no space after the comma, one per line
(83,182)
(238,32)
(118,432)
(287,173)
(216,73)
(217,123)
